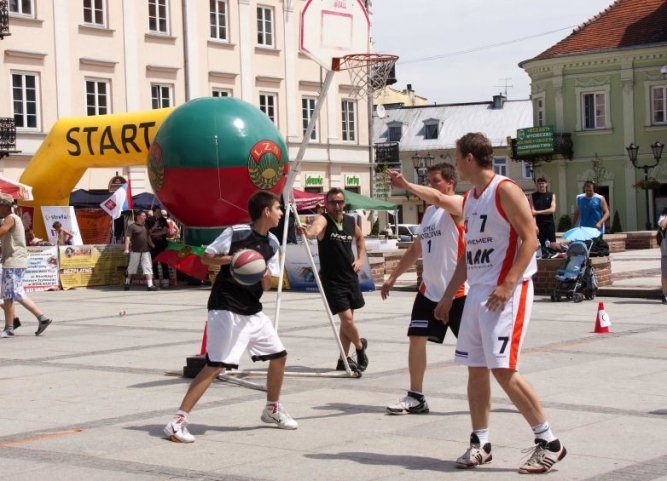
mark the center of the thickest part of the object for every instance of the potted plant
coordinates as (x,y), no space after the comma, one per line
(647,184)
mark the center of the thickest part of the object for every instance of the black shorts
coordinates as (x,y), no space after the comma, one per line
(342,297)
(423,322)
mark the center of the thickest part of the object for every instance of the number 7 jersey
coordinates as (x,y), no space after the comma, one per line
(491,242)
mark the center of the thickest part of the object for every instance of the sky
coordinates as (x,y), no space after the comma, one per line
(442,30)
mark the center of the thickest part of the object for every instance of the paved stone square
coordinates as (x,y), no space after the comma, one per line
(89,398)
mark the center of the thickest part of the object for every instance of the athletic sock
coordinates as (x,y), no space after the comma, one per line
(41,317)
(543,431)
(182,413)
(482,435)
(416,395)
(149,282)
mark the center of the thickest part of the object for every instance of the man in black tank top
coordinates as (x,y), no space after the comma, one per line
(335,233)
(543,207)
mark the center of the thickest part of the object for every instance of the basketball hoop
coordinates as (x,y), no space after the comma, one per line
(368,71)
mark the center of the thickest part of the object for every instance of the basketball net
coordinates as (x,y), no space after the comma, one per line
(368,71)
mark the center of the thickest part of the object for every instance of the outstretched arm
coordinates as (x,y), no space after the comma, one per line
(451,203)
(313,230)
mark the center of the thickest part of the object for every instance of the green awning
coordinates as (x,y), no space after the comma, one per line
(355,201)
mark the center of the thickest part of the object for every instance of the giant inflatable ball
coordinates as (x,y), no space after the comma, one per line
(209,155)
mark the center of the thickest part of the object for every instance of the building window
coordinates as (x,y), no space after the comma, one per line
(267,104)
(218,13)
(265,26)
(25,100)
(22,7)
(349,120)
(161,96)
(217,92)
(659,104)
(539,111)
(94,12)
(500,165)
(593,110)
(307,110)
(158,16)
(395,132)
(97,97)
(430,131)
(527,169)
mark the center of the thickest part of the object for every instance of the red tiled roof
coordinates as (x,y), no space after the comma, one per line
(625,23)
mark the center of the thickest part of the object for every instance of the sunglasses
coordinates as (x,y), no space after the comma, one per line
(337,202)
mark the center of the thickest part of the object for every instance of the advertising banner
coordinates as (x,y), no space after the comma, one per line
(91,265)
(64,215)
(300,274)
(94,225)
(42,271)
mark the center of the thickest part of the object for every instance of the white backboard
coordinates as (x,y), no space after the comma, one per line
(333,28)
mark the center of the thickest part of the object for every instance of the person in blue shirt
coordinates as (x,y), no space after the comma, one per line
(591,209)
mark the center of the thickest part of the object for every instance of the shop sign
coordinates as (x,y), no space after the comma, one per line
(352,180)
(314,181)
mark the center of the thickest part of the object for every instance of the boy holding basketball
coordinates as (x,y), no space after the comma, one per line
(235,318)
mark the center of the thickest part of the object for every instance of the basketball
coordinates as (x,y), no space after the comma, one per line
(247,267)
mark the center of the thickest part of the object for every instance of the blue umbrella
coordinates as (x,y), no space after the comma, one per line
(581,234)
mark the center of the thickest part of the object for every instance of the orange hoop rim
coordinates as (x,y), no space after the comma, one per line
(357,60)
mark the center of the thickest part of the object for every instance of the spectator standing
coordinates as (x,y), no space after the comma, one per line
(138,244)
(14,264)
(173,231)
(591,209)
(543,205)
(662,224)
(158,230)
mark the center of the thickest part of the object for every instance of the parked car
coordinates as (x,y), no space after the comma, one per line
(407,232)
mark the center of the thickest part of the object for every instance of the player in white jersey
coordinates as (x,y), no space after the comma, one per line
(498,264)
(439,244)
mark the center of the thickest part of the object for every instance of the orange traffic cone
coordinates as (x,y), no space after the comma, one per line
(602,321)
(202,349)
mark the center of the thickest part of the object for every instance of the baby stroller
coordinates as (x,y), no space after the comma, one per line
(576,279)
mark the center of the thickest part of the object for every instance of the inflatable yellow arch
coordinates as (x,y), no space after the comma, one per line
(76,144)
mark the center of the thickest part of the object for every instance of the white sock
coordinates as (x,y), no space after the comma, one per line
(482,435)
(182,413)
(543,431)
(149,282)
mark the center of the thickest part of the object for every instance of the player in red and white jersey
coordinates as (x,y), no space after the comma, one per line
(492,243)
(440,244)
(498,264)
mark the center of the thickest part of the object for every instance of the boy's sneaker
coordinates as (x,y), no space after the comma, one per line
(544,456)
(353,365)
(42,325)
(17,323)
(126,287)
(177,430)
(476,455)
(153,288)
(362,358)
(410,405)
(275,414)
(7,332)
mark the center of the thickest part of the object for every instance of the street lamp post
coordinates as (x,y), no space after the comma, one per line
(656,150)
(421,163)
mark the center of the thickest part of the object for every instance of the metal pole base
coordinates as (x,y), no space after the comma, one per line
(351,374)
